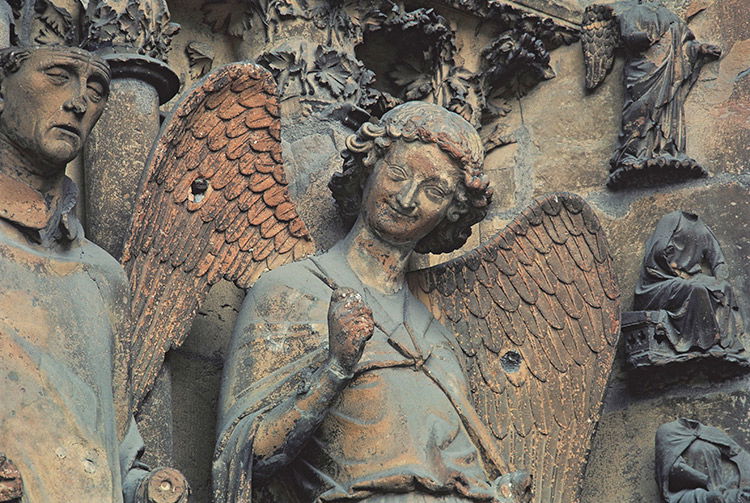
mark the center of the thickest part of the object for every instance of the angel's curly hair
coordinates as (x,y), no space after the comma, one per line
(417,121)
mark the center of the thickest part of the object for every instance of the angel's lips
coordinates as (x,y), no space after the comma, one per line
(400,212)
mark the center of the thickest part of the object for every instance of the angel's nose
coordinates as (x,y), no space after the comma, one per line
(407,196)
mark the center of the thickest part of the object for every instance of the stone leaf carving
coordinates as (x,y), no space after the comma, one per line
(201,58)
(41,22)
(140,25)
(513,63)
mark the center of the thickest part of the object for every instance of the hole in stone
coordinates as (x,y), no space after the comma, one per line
(198,189)
(511,361)
(165,485)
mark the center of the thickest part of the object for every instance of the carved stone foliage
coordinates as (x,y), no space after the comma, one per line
(378,55)
(201,58)
(700,463)
(321,75)
(42,22)
(663,61)
(687,307)
(140,25)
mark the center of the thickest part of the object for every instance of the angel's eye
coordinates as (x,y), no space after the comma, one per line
(434,193)
(396,173)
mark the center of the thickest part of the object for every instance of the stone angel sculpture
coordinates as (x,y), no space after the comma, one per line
(663,61)
(342,385)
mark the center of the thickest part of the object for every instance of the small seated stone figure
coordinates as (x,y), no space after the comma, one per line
(684,289)
(66,429)
(696,463)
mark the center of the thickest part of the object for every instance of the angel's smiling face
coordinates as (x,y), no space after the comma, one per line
(410,191)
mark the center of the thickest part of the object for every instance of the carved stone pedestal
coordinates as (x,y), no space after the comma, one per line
(647,342)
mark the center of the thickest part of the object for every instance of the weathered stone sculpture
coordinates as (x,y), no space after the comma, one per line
(214,205)
(66,418)
(341,385)
(663,62)
(696,463)
(684,290)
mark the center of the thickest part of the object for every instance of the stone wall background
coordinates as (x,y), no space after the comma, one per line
(562,138)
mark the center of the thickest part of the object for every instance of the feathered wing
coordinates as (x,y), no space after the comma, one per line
(600,36)
(536,314)
(214,204)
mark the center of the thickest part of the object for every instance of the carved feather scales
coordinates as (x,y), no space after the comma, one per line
(214,204)
(536,314)
(600,36)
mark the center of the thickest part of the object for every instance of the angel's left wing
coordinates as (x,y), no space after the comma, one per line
(600,36)
(536,314)
(214,204)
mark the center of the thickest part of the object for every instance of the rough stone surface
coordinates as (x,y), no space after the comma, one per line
(561,139)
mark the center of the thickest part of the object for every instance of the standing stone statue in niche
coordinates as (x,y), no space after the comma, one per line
(696,463)
(663,61)
(67,431)
(684,291)
(341,385)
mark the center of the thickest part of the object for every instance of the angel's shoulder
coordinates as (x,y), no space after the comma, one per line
(288,292)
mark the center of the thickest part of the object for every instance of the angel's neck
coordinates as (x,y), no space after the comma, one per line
(377,263)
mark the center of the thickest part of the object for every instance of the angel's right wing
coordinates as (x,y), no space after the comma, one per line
(214,204)
(600,36)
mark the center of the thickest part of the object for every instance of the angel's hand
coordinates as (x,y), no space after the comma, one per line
(514,487)
(350,326)
(163,485)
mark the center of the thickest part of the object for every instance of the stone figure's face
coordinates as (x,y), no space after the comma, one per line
(50,105)
(410,191)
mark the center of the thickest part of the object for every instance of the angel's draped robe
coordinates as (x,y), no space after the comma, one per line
(63,300)
(702,308)
(395,428)
(657,81)
(687,445)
